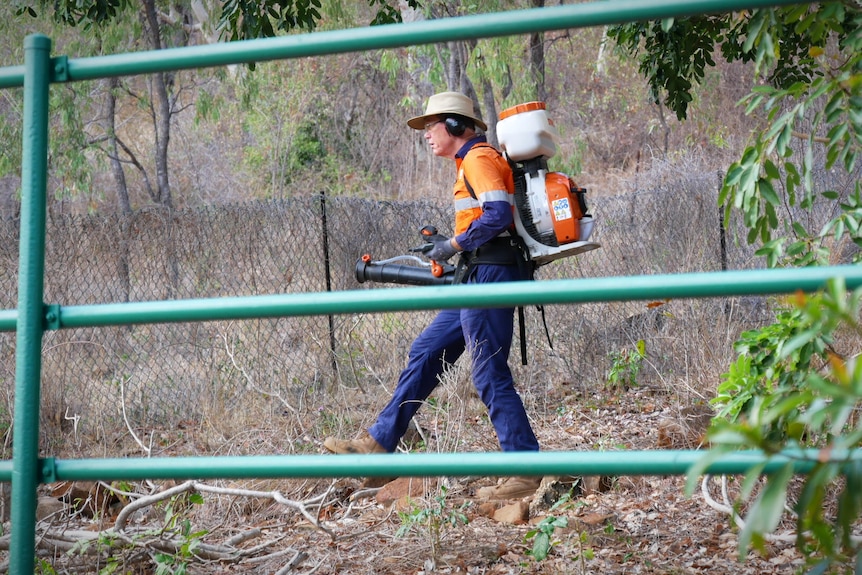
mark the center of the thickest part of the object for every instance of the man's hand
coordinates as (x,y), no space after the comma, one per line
(441,248)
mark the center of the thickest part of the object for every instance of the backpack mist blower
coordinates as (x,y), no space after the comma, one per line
(551,211)
(550,208)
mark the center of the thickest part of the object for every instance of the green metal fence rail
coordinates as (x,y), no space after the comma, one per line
(33,316)
(632,288)
(375,38)
(608,463)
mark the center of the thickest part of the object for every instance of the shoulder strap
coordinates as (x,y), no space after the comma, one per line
(470,188)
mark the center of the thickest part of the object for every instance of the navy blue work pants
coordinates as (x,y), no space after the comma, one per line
(488,334)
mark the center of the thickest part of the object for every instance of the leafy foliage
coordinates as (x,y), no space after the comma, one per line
(625,366)
(674,53)
(76,12)
(766,371)
(435,519)
(832,105)
(790,389)
(542,536)
(388,14)
(812,94)
(238,20)
(249,19)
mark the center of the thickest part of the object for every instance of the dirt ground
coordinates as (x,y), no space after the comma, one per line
(633,524)
(641,524)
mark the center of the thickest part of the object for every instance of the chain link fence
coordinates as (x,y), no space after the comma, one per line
(102,384)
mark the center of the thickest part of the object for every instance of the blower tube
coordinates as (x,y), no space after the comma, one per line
(399,274)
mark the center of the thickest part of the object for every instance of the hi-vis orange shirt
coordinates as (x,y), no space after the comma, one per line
(491,212)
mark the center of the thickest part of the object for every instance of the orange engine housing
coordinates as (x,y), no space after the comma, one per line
(565,209)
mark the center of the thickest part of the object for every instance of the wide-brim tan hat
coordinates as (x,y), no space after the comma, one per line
(447,103)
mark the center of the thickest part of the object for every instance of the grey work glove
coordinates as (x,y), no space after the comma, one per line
(441,248)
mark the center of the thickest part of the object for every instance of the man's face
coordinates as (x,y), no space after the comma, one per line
(441,142)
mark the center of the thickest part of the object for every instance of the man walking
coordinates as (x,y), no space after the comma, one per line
(487,243)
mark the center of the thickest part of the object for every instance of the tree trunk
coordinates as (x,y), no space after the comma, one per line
(122,188)
(601,66)
(537,59)
(455,67)
(161,108)
(600,72)
(490,112)
(113,149)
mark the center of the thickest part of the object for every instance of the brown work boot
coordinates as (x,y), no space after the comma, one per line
(512,488)
(343,446)
(367,444)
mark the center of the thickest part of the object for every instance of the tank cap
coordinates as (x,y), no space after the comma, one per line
(520,109)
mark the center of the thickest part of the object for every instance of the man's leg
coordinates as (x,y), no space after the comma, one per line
(489,334)
(439,344)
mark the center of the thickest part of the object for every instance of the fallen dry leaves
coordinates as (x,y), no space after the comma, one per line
(639,524)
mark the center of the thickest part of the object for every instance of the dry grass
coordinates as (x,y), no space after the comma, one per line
(300,373)
(268,386)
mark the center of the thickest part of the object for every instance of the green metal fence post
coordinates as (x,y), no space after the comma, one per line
(31,312)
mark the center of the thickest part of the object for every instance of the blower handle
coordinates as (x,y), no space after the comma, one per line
(428,232)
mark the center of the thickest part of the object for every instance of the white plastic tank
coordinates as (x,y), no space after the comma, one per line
(525,132)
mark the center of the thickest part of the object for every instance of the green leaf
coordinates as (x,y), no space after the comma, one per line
(768,192)
(755,25)
(850,162)
(771,170)
(541,546)
(850,503)
(796,342)
(838,132)
(768,508)
(731,437)
(733,175)
(787,405)
(785,137)
(749,481)
(753,105)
